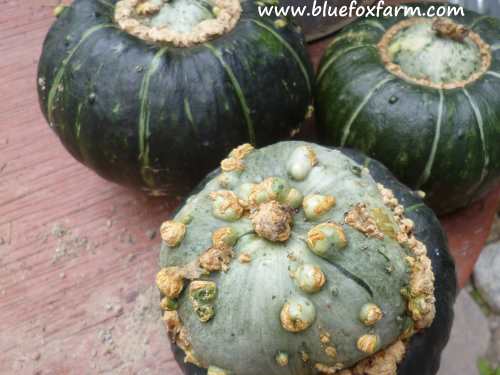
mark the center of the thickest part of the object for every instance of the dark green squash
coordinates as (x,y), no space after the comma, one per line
(355,286)
(422,96)
(159,114)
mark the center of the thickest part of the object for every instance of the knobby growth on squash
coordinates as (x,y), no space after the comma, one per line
(329,274)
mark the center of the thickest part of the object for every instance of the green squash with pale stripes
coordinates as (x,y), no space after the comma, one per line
(420,95)
(158,115)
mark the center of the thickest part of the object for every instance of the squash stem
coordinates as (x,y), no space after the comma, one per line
(447,28)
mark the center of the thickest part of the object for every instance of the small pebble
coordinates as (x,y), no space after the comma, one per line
(151,234)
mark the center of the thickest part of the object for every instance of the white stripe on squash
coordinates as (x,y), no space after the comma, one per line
(238,91)
(348,35)
(347,127)
(289,48)
(494,74)
(60,72)
(437,134)
(358,34)
(477,21)
(106,3)
(480,125)
(375,24)
(335,56)
(145,114)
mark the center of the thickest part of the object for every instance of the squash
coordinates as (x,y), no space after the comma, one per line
(152,94)
(420,95)
(303,259)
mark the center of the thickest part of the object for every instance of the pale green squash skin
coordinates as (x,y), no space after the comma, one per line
(245,334)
